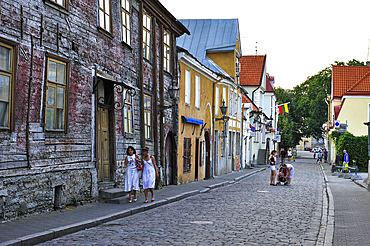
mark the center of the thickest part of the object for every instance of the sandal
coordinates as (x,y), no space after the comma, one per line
(152,199)
(146,201)
(130,201)
(135,200)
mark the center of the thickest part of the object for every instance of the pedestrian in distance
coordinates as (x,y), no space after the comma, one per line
(272,160)
(282,155)
(132,173)
(337,162)
(289,173)
(319,157)
(314,153)
(345,160)
(290,155)
(325,156)
(294,154)
(149,174)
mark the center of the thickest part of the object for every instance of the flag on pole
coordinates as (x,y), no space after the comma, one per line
(283,108)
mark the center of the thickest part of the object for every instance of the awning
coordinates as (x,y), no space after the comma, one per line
(192,120)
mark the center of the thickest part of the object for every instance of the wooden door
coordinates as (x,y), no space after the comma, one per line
(208,155)
(196,158)
(103,144)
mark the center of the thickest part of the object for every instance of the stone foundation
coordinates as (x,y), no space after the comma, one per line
(23,195)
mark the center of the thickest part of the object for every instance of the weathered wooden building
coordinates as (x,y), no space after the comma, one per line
(80,81)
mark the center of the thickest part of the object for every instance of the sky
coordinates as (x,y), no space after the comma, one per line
(299,37)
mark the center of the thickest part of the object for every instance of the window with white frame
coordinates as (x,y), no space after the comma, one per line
(167,51)
(197,91)
(187,87)
(217,101)
(125,12)
(127,114)
(235,103)
(224,95)
(148,116)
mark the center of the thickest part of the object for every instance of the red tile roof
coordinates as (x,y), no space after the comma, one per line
(246,99)
(251,70)
(350,80)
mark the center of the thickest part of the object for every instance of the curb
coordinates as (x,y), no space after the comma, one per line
(328,212)
(48,235)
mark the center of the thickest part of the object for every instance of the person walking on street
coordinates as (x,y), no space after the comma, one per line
(282,155)
(314,153)
(325,156)
(319,157)
(132,174)
(346,160)
(337,162)
(294,154)
(149,174)
(290,154)
(272,160)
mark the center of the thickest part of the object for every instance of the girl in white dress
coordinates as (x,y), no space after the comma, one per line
(149,174)
(132,174)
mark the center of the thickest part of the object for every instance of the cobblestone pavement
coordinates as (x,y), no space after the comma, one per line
(351,203)
(250,212)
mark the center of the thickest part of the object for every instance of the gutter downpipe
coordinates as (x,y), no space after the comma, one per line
(28,108)
(214,131)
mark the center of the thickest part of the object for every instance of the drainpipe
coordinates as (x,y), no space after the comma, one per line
(141,77)
(28,108)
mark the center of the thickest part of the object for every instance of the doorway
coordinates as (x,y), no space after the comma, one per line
(196,172)
(208,155)
(104,130)
(170,170)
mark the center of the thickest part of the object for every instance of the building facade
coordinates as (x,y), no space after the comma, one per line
(80,82)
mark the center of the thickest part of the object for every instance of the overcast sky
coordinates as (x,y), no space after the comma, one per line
(299,37)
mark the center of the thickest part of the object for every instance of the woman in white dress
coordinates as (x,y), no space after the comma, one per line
(149,174)
(132,174)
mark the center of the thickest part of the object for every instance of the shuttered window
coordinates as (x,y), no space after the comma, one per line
(187,155)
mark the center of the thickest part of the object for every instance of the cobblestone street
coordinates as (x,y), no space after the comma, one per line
(250,212)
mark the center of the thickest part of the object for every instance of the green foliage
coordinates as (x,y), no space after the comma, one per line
(356,148)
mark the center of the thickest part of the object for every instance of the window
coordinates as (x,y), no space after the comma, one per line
(187,87)
(217,101)
(147,116)
(368,113)
(237,143)
(105,15)
(235,103)
(231,103)
(187,156)
(167,51)
(224,96)
(63,3)
(127,114)
(125,12)
(7,68)
(56,95)
(197,91)
(146,36)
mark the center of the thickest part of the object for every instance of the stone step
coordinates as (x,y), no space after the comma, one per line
(118,200)
(111,193)
(105,185)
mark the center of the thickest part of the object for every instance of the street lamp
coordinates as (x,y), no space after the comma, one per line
(173,90)
(223,112)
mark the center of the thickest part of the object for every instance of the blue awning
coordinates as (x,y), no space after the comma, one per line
(192,120)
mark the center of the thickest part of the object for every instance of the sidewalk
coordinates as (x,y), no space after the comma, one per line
(351,213)
(44,227)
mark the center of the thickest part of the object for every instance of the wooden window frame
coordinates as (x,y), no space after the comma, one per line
(12,74)
(55,4)
(148,118)
(128,112)
(167,51)
(147,32)
(66,62)
(100,9)
(126,17)
(187,156)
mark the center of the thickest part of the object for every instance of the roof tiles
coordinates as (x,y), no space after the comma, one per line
(350,80)
(251,70)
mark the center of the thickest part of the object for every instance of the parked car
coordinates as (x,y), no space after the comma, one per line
(308,149)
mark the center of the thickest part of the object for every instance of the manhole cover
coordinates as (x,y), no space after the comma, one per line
(201,222)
